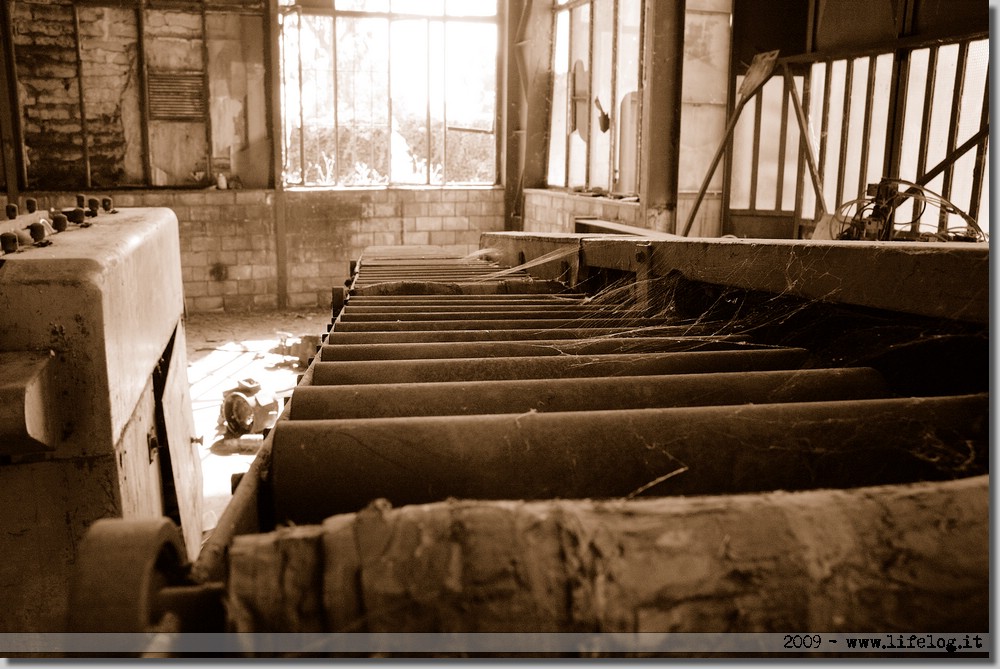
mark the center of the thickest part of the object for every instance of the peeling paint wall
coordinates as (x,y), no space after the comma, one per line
(108,49)
(45,50)
(225,50)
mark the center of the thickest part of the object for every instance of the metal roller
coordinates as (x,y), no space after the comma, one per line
(547,347)
(324,467)
(506,324)
(474,309)
(584,394)
(572,366)
(505,286)
(351,316)
(524,298)
(337,336)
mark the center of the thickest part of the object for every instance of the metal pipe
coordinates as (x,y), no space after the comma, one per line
(524,299)
(552,367)
(486,324)
(417,336)
(324,467)
(349,316)
(554,308)
(462,398)
(502,286)
(542,347)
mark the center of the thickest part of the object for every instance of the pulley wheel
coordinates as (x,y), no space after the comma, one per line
(121,565)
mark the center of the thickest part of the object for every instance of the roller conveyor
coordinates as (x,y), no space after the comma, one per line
(450,387)
(420,374)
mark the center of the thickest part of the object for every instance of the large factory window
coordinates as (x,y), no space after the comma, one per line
(378,92)
(593,141)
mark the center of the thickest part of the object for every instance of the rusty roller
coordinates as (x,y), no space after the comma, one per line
(583,394)
(338,336)
(473,309)
(605,320)
(323,467)
(534,367)
(457,298)
(574,315)
(550,347)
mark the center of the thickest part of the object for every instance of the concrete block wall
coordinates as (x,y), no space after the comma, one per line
(327,229)
(229,238)
(556,210)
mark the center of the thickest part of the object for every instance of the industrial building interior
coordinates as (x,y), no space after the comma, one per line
(585,318)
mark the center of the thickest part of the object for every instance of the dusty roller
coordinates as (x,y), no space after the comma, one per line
(628,447)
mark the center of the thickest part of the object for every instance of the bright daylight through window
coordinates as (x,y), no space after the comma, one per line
(595,95)
(378,92)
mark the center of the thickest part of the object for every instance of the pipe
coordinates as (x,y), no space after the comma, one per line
(484,324)
(540,347)
(550,367)
(463,398)
(324,467)
(336,338)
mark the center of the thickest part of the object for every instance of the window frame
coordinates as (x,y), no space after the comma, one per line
(326,8)
(564,106)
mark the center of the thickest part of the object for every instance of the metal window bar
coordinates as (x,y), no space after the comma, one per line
(845,129)
(302,113)
(980,165)
(206,91)
(755,160)
(569,92)
(866,129)
(804,148)
(612,111)
(929,87)
(782,149)
(956,106)
(592,16)
(825,122)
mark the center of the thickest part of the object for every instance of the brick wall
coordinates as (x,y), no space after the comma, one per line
(45,49)
(328,229)
(228,239)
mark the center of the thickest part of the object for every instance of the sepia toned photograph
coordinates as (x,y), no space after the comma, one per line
(477,330)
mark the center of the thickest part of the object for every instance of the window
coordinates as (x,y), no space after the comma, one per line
(846,102)
(595,96)
(389,92)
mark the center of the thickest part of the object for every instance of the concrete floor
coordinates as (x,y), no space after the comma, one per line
(223,349)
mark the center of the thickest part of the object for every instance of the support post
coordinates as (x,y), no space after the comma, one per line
(663,63)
